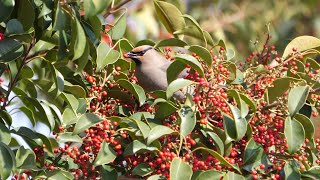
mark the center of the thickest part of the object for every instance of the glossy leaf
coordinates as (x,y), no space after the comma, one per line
(280,86)
(6,7)
(254,155)
(176,85)
(233,176)
(229,126)
(302,43)
(134,89)
(297,98)
(174,70)
(188,120)
(135,146)
(217,142)
(108,172)
(10,50)
(85,121)
(295,134)
(291,171)
(142,170)
(171,42)
(5,116)
(105,155)
(313,173)
(78,39)
(180,170)
(307,125)
(94,7)
(105,55)
(210,174)
(25,159)
(69,137)
(14,27)
(240,122)
(119,27)
(202,52)
(7,161)
(5,135)
(157,132)
(192,61)
(169,15)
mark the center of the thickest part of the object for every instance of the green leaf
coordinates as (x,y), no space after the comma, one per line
(192,61)
(169,15)
(210,174)
(25,159)
(233,176)
(14,27)
(105,55)
(10,50)
(5,135)
(176,85)
(6,7)
(174,70)
(307,125)
(171,42)
(85,121)
(180,170)
(71,100)
(78,39)
(69,117)
(41,46)
(69,137)
(302,43)
(76,90)
(219,157)
(188,120)
(105,155)
(142,170)
(165,109)
(7,161)
(58,174)
(94,7)
(158,131)
(156,177)
(119,27)
(108,172)
(254,155)
(26,14)
(136,146)
(295,134)
(28,135)
(240,122)
(278,88)
(4,115)
(134,89)
(313,173)
(217,142)
(229,126)
(202,52)
(49,142)
(60,20)
(297,98)
(83,60)
(291,171)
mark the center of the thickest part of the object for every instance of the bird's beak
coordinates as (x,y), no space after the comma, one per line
(130,55)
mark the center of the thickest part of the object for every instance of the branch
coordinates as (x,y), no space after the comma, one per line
(114,9)
(15,80)
(270,106)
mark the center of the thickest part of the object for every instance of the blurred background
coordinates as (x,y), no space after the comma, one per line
(239,23)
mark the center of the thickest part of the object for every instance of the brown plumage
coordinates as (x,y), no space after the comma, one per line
(151,69)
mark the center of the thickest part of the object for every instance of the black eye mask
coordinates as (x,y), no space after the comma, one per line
(141,53)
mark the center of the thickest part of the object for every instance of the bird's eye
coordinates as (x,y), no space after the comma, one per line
(141,53)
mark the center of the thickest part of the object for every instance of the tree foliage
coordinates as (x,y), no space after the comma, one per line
(62,64)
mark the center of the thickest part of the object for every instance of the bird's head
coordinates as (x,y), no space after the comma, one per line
(137,54)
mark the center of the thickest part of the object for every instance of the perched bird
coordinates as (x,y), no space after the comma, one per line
(151,69)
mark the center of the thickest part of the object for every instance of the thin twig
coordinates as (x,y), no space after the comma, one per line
(115,8)
(14,81)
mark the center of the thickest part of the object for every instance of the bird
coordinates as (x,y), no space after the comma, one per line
(151,69)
